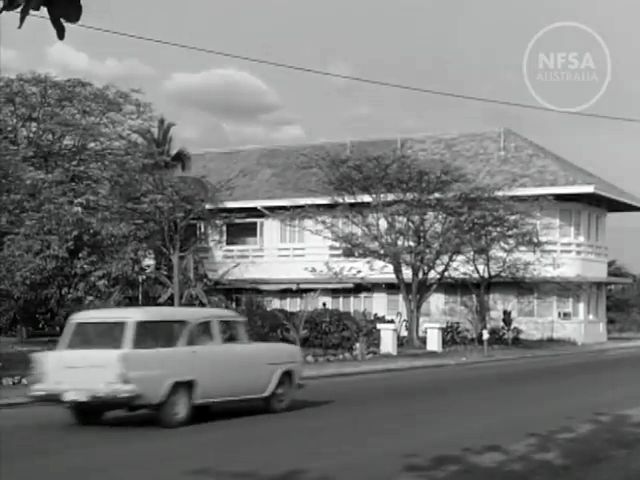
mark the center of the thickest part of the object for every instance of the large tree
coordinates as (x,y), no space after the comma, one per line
(66,144)
(398,212)
(500,243)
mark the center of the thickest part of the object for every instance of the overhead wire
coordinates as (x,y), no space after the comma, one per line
(353,78)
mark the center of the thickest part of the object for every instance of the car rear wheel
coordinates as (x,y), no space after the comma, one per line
(177,408)
(282,396)
(85,415)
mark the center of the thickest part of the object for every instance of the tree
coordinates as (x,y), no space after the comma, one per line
(160,142)
(617,269)
(168,207)
(398,213)
(58,10)
(500,243)
(65,144)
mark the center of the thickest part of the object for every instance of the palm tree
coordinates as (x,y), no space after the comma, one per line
(161,142)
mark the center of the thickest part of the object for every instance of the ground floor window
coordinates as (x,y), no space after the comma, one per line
(395,306)
(352,302)
(293,302)
(526,303)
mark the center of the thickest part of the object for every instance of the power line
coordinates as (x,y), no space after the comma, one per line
(370,81)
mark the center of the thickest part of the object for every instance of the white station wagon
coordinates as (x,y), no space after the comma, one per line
(169,359)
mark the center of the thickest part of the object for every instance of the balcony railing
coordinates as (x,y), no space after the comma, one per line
(243,253)
(579,249)
(333,252)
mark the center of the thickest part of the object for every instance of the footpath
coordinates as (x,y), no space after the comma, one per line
(17,395)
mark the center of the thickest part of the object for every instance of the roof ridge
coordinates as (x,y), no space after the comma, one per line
(399,136)
(559,158)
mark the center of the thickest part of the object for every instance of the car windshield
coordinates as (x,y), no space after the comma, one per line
(96,336)
(158,334)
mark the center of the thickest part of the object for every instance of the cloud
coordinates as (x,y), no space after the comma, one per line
(65,59)
(223,93)
(240,105)
(10,61)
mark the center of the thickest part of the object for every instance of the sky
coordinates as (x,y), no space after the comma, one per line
(472,47)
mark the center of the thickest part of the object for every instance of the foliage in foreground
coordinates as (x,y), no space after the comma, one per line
(86,197)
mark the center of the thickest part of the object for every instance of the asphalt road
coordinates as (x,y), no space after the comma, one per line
(384,426)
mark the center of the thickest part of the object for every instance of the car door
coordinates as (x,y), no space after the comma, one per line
(209,362)
(158,356)
(249,374)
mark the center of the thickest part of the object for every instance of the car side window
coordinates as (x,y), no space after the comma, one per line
(233,331)
(201,334)
(151,334)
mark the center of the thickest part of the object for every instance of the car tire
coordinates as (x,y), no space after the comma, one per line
(177,408)
(85,415)
(282,396)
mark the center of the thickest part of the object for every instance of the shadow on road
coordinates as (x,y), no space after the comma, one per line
(606,447)
(211,474)
(217,413)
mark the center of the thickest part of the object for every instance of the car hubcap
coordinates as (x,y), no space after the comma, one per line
(179,406)
(282,392)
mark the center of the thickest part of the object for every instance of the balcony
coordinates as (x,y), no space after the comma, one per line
(577,249)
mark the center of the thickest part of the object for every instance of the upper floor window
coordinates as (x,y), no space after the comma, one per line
(292,232)
(244,233)
(570,224)
(343,226)
(599,221)
(589,227)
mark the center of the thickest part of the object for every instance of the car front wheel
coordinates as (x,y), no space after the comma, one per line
(282,396)
(176,410)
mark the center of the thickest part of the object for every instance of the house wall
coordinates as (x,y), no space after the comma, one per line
(576,313)
(574,234)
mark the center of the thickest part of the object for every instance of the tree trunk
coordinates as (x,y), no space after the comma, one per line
(482,300)
(175,283)
(414,325)
(413,306)
(21,333)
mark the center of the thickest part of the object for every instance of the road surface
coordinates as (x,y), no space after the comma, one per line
(384,426)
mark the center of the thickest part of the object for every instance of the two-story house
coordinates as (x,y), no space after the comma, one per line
(287,263)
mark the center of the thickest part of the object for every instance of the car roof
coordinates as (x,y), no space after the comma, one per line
(154,313)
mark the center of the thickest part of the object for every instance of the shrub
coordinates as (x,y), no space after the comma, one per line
(331,330)
(454,333)
(267,325)
(320,329)
(499,335)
